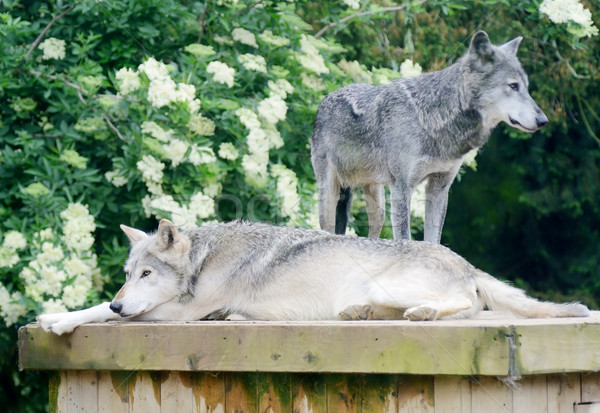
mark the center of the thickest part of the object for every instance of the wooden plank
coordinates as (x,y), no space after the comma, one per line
(490,395)
(415,394)
(57,392)
(144,392)
(531,395)
(274,392)
(442,347)
(343,393)
(241,392)
(209,392)
(82,391)
(309,393)
(379,393)
(542,347)
(113,391)
(590,387)
(452,394)
(564,390)
(176,393)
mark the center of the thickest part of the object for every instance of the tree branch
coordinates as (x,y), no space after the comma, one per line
(80,91)
(566,62)
(202,21)
(43,33)
(113,127)
(363,13)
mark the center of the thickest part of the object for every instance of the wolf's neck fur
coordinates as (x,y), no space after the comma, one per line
(447,110)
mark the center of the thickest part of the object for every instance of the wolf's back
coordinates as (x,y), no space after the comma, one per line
(498,295)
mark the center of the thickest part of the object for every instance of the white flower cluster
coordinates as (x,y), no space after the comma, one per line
(156,131)
(272,109)
(152,173)
(228,150)
(409,69)
(252,62)
(262,137)
(310,59)
(276,41)
(175,149)
(469,160)
(221,73)
(13,241)
(312,82)
(244,36)
(355,70)
(52,48)
(64,269)
(353,4)
(378,76)
(78,228)
(115,178)
(567,11)
(162,90)
(201,126)
(129,80)
(280,87)
(201,206)
(11,308)
(287,184)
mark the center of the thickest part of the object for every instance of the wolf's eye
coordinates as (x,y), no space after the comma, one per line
(145,273)
(514,86)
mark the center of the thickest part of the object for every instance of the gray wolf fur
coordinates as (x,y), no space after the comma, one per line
(413,130)
(264,272)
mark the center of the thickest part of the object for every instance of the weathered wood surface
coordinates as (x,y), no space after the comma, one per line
(489,346)
(206,392)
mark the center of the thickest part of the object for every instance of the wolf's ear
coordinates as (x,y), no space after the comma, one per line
(512,46)
(481,47)
(168,237)
(133,234)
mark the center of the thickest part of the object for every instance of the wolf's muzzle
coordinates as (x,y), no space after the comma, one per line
(116,307)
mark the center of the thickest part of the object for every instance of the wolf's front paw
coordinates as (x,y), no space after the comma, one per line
(59,324)
(423,313)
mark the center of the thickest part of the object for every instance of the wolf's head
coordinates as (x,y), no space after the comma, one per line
(500,86)
(156,269)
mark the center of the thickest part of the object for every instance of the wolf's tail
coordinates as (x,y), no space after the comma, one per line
(342,210)
(500,296)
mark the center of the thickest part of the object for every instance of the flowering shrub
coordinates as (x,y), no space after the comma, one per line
(197,112)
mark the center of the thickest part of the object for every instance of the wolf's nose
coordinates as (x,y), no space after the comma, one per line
(116,307)
(541,121)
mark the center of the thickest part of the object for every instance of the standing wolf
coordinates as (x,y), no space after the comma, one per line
(264,272)
(412,130)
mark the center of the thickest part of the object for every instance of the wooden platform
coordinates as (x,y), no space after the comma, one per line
(368,366)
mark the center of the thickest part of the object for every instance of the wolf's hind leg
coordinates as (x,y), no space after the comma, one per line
(438,309)
(400,194)
(329,194)
(375,200)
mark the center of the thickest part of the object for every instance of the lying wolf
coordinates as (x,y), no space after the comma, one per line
(414,130)
(265,272)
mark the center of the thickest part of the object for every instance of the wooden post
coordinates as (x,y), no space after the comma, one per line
(373,366)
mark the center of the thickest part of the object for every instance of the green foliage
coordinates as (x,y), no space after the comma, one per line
(129,111)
